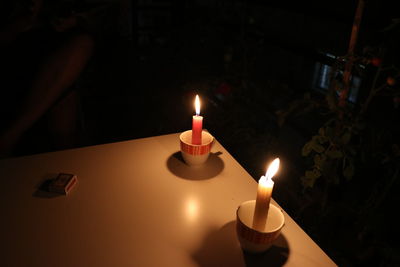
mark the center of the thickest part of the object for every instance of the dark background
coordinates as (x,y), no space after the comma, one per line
(247,60)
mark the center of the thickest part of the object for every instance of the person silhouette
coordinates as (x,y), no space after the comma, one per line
(42,54)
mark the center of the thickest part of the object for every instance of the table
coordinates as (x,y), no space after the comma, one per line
(136,204)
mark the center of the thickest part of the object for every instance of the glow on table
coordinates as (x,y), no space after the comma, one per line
(136,204)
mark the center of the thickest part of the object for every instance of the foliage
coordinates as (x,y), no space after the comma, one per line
(336,151)
(353,159)
(339,142)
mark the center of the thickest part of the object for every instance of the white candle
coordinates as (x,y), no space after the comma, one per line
(264,194)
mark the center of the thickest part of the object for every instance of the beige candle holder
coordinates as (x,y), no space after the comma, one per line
(195,155)
(252,240)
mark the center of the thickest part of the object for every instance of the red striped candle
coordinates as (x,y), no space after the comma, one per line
(197,124)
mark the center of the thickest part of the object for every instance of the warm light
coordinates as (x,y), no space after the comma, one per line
(272,169)
(192,209)
(197,105)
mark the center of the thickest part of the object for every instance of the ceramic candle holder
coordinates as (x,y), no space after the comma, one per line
(195,155)
(252,240)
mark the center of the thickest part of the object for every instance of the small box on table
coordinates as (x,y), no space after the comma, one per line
(63,183)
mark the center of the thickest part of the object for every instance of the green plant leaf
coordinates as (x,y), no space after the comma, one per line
(310,177)
(307,148)
(322,139)
(317,147)
(319,161)
(334,154)
(329,132)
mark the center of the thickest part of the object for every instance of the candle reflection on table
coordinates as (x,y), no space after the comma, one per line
(191,209)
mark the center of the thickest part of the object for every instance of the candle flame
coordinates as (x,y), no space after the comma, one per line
(197,105)
(272,168)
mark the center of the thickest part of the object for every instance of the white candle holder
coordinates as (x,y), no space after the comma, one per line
(252,240)
(195,155)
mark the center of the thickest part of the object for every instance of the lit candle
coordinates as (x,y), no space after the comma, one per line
(264,193)
(197,124)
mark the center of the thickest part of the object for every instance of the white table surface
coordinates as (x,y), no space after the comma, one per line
(136,204)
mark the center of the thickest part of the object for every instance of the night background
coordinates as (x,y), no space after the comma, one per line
(262,71)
